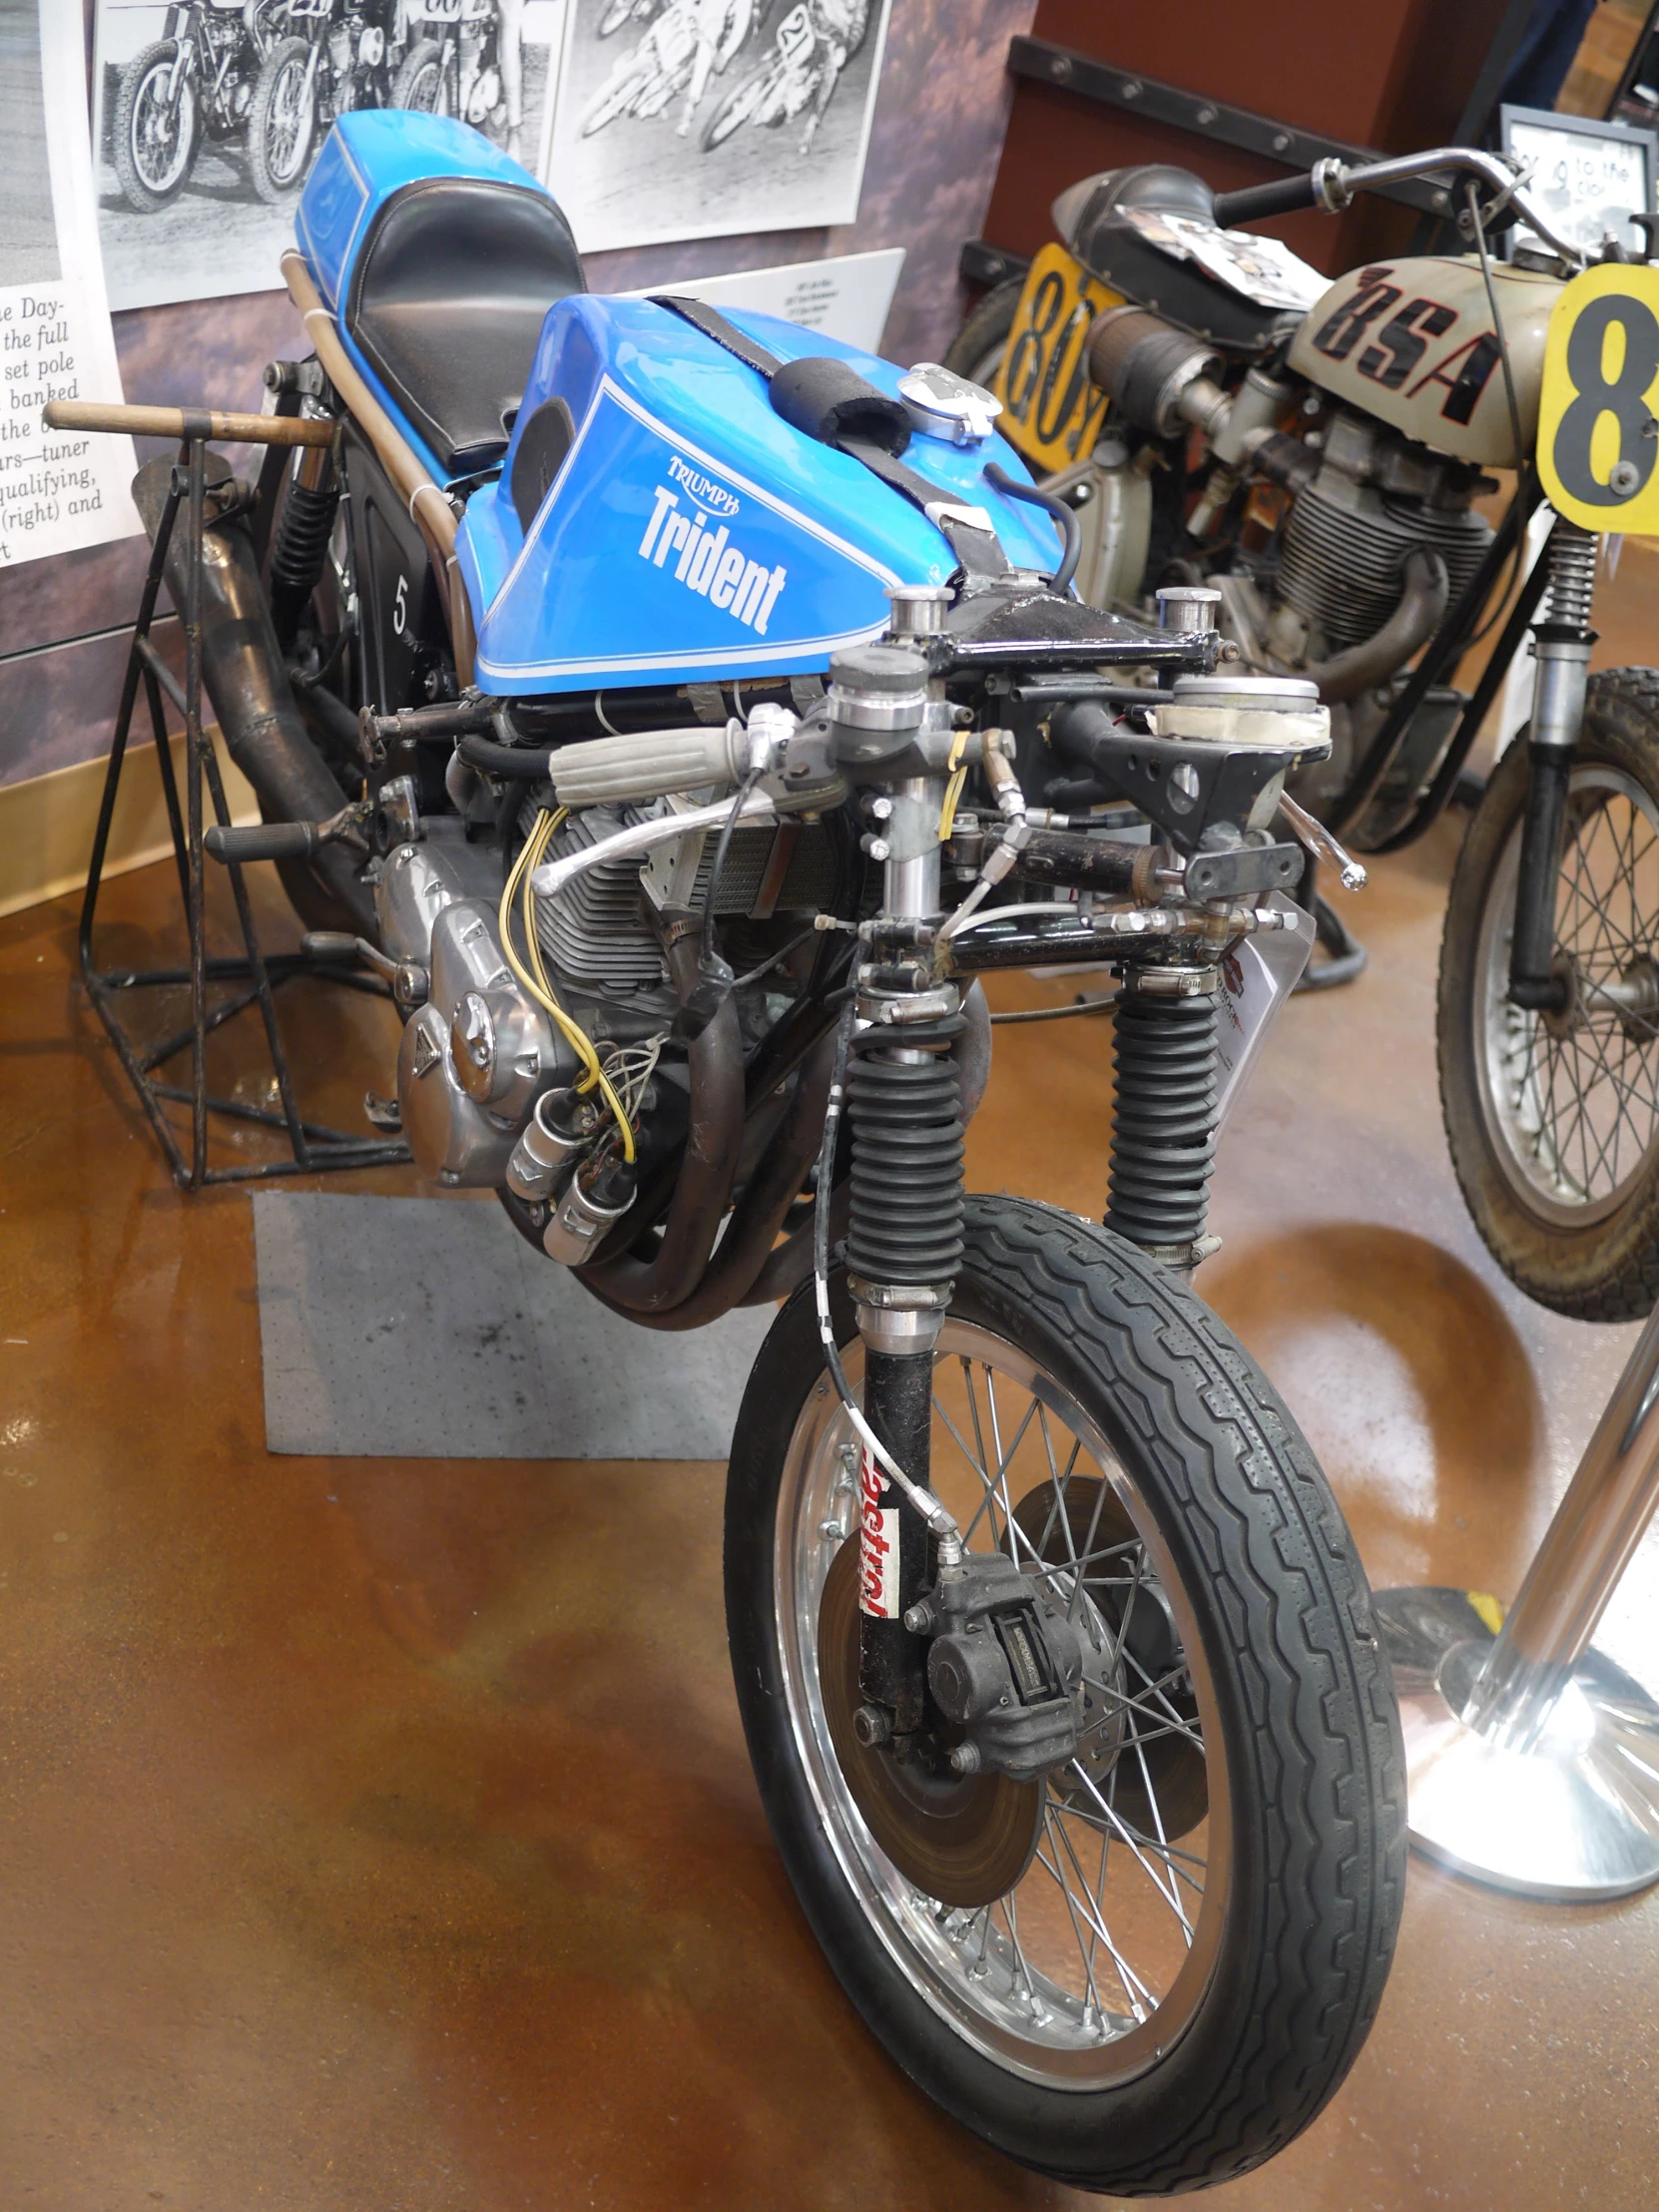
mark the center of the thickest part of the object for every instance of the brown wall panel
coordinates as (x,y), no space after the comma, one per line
(1392,75)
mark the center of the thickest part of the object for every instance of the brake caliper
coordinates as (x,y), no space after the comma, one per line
(1005,1665)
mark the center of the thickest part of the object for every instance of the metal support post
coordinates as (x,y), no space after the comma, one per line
(1532,1762)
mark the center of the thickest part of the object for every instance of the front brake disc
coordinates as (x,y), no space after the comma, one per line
(966,1839)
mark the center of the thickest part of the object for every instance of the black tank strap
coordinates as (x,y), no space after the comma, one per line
(973,542)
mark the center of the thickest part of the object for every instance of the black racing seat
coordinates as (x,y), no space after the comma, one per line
(446,303)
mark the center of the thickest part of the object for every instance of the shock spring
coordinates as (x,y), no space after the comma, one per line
(1572,574)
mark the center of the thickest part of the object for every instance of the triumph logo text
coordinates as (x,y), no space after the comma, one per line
(705,560)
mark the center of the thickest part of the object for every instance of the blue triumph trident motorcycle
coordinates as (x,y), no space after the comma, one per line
(653,696)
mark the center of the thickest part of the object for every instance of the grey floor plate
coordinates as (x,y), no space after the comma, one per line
(420,1327)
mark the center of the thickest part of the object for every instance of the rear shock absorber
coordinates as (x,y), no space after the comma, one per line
(1561,645)
(302,544)
(1164,1121)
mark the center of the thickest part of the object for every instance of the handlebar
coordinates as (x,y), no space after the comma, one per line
(1257,202)
(1333,185)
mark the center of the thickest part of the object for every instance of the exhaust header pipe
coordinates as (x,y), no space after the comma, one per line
(243,673)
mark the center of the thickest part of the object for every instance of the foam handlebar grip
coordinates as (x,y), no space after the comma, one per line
(1257,202)
(650,765)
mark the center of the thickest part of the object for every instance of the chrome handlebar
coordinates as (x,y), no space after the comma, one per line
(1336,184)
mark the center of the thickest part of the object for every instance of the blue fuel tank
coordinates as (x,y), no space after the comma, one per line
(690,533)
(678,530)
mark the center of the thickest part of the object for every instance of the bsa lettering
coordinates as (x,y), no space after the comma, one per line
(877,1544)
(706,562)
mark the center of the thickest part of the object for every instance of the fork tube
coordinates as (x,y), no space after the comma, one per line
(1562,646)
(903,1246)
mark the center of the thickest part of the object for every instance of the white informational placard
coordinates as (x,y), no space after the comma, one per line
(58,491)
(707,119)
(846,299)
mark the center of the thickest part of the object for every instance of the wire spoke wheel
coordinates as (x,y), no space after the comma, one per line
(1100,1928)
(156,128)
(282,118)
(1066,1964)
(1553,1117)
(1573,1094)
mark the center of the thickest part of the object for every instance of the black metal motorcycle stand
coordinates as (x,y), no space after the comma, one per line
(313,1147)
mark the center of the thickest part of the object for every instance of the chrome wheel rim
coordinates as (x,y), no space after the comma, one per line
(1091,1967)
(1572,1100)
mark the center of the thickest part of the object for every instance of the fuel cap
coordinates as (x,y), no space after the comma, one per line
(942,404)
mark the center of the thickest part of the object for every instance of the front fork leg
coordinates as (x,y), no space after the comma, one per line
(896,1547)
(1562,647)
(903,1248)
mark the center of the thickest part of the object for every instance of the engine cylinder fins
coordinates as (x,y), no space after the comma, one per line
(1163,1126)
(906,1216)
(1341,560)
(595,930)
(1572,575)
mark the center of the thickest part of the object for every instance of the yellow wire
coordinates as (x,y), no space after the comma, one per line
(537,984)
(954,790)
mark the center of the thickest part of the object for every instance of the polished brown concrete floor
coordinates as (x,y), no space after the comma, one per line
(381,1836)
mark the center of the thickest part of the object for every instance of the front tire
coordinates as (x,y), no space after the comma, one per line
(281,121)
(155,140)
(977,349)
(1241,1752)
(422,81)
(1553,1120)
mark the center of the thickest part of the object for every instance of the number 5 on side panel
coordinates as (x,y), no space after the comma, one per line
(1599,411)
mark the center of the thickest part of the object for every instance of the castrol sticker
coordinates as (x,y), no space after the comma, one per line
(878,1545)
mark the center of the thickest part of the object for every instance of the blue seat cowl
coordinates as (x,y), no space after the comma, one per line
(371,154)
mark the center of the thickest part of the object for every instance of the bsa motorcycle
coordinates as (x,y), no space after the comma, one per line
(811,47)
(1311,454)
(197,82)
(322,59)
(658,700)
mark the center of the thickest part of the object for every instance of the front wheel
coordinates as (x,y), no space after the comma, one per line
(735,109)
(282,120)
(1151,1969)
(977,349)
(158,128)
(423,82)
(1553,1118)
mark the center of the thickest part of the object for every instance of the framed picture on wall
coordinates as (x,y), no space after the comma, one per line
(200,162)
(1588,175)
(695,119)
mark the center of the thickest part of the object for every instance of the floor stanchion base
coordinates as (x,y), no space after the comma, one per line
(1577,1817)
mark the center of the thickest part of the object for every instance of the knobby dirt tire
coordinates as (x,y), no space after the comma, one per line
(425,56)
(977,348)
(1604,1268)
(1312,1763)
(139,195)
(274,187)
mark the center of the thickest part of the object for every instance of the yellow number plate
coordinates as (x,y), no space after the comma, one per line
(1599,411)
(1051,410)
